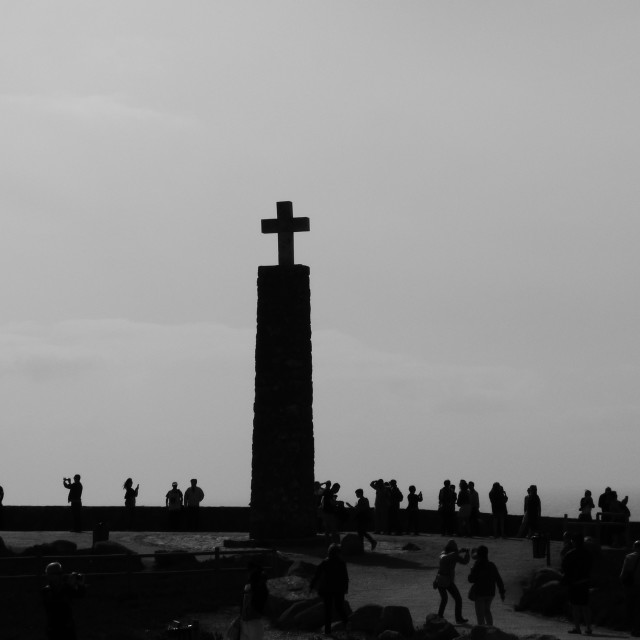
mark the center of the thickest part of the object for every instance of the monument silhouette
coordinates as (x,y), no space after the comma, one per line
(282,468)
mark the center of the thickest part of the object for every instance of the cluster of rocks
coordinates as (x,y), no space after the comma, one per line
(293,606)
(546,592)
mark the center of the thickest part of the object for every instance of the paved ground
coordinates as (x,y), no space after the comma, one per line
(388,576)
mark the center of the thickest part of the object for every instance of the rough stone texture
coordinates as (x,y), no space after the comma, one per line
(397,619)
(285,591)
(303,569)
(312,617)
(352,545)
(366,618)
(282,471)
(287,619)
(436,628)
(489,633)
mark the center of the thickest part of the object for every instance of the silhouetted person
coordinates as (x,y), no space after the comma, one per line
(318,491)
(532,511)
(130,495)
(75,500)
(254,601)
(413,511)
(485,577)
(173,502)
(193,496)
(498,499)
(1,507)
(446,578)
(464,506)
(619,513)
(576,566)
(56,597)
(363,518)
(330,512)
(331,580)
(586,506)
(395,498)
(447,509)
(630,578)
(603,503)
(380,506)
(474,518)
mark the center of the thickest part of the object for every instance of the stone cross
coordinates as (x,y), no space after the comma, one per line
(285,226)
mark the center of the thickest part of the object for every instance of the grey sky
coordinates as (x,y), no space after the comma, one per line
(471,175)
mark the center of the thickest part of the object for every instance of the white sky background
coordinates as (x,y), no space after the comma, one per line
(471,175)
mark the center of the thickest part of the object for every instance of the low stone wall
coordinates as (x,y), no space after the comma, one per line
(221,519)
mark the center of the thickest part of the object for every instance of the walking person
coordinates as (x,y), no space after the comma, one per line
(331,580)
(130,495)
(446,576)
(413,511)
(576,567)
(193,496)
(485,578)
(630,579)
(362,518)
(75,500)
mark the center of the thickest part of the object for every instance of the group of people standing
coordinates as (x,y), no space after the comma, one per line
(175,502)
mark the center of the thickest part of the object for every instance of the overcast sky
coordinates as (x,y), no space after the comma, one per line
(471,173)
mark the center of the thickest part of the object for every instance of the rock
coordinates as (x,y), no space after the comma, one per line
(398,619)
(437,628)
(287,617)
(542,576)
(490,633)
(285,591)
(106,564)
(55,548)
(550,599)
(352,545)
(366,618)
(312,617)
(5,552)
(390,635)
(411,547)
(302,569)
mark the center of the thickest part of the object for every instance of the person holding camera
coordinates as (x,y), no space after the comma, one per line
(445,578)
(56,597)
(75,500)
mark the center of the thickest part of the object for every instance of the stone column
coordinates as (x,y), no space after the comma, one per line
(282,469)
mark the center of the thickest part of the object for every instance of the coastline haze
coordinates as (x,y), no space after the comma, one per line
(470,175)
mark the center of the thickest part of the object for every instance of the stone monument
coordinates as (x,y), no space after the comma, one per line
(282,467)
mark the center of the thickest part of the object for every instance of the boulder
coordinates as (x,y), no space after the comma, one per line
(395,618)
(366,618)
(489,633)
(542,576)
(285,591)
(312,618)
(390,635)
(411,547)
(55,548)
(302,569)
(5,552)
(437,628)
(352,545)
(286,620)
(106,563)
(550,599)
